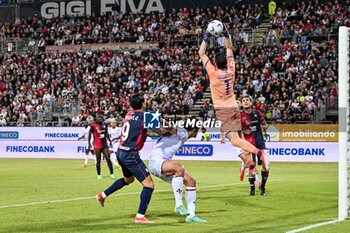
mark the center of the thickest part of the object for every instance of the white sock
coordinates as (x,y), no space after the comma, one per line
(177,183)
(104,195)
(191,201)
(243,166)
(86,159)
(139,215)
(257,178)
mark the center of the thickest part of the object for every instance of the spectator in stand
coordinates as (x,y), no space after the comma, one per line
(272,8)
(76,120)
(313,20)
(176,25)
(2,120)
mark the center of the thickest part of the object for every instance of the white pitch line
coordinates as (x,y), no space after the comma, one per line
(117,194)
(314,226)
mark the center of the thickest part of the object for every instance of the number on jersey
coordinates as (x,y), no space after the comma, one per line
(125,131)
(228,89)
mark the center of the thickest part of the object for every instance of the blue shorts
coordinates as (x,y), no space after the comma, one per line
(256,159)
(132,165)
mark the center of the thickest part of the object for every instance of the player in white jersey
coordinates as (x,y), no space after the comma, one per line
(85,136)
(162,166)
(114,134)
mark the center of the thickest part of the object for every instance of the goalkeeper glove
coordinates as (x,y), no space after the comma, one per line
(206,37)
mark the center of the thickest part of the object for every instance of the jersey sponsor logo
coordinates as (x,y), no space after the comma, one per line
(195,150)
(61,135)
(152,120)
(297,151)
(35,149)
(127,148)
(9,134)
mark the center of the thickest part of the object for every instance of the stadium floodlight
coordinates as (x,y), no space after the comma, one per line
(344,123)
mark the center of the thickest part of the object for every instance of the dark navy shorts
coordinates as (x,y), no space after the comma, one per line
(132,165)
(255,159)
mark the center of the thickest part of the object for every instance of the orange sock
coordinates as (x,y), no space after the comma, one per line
(244,145)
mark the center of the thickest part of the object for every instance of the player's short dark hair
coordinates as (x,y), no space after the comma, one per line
(190,127)
(220,60)
(137,101)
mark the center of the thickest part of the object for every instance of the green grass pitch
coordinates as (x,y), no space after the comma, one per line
(298,194)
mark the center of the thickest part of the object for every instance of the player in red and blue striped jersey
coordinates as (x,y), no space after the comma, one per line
(99,131)
(132,139)
(252,123)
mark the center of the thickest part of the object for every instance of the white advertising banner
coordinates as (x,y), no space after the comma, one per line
(61,142)
(57,134)
(286,152)
(40,133)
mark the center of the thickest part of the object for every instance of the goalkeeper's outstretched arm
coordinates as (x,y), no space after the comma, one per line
(201,52)
(228,43)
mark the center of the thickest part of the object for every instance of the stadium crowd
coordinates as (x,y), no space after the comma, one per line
(171,80)
(289,82)
(312,19)
(175,25)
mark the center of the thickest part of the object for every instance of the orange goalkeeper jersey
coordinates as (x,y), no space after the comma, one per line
(221,84)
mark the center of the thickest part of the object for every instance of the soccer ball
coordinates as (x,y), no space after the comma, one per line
(215,28)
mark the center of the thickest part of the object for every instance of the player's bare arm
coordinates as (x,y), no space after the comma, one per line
(108,138)
(89,139)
